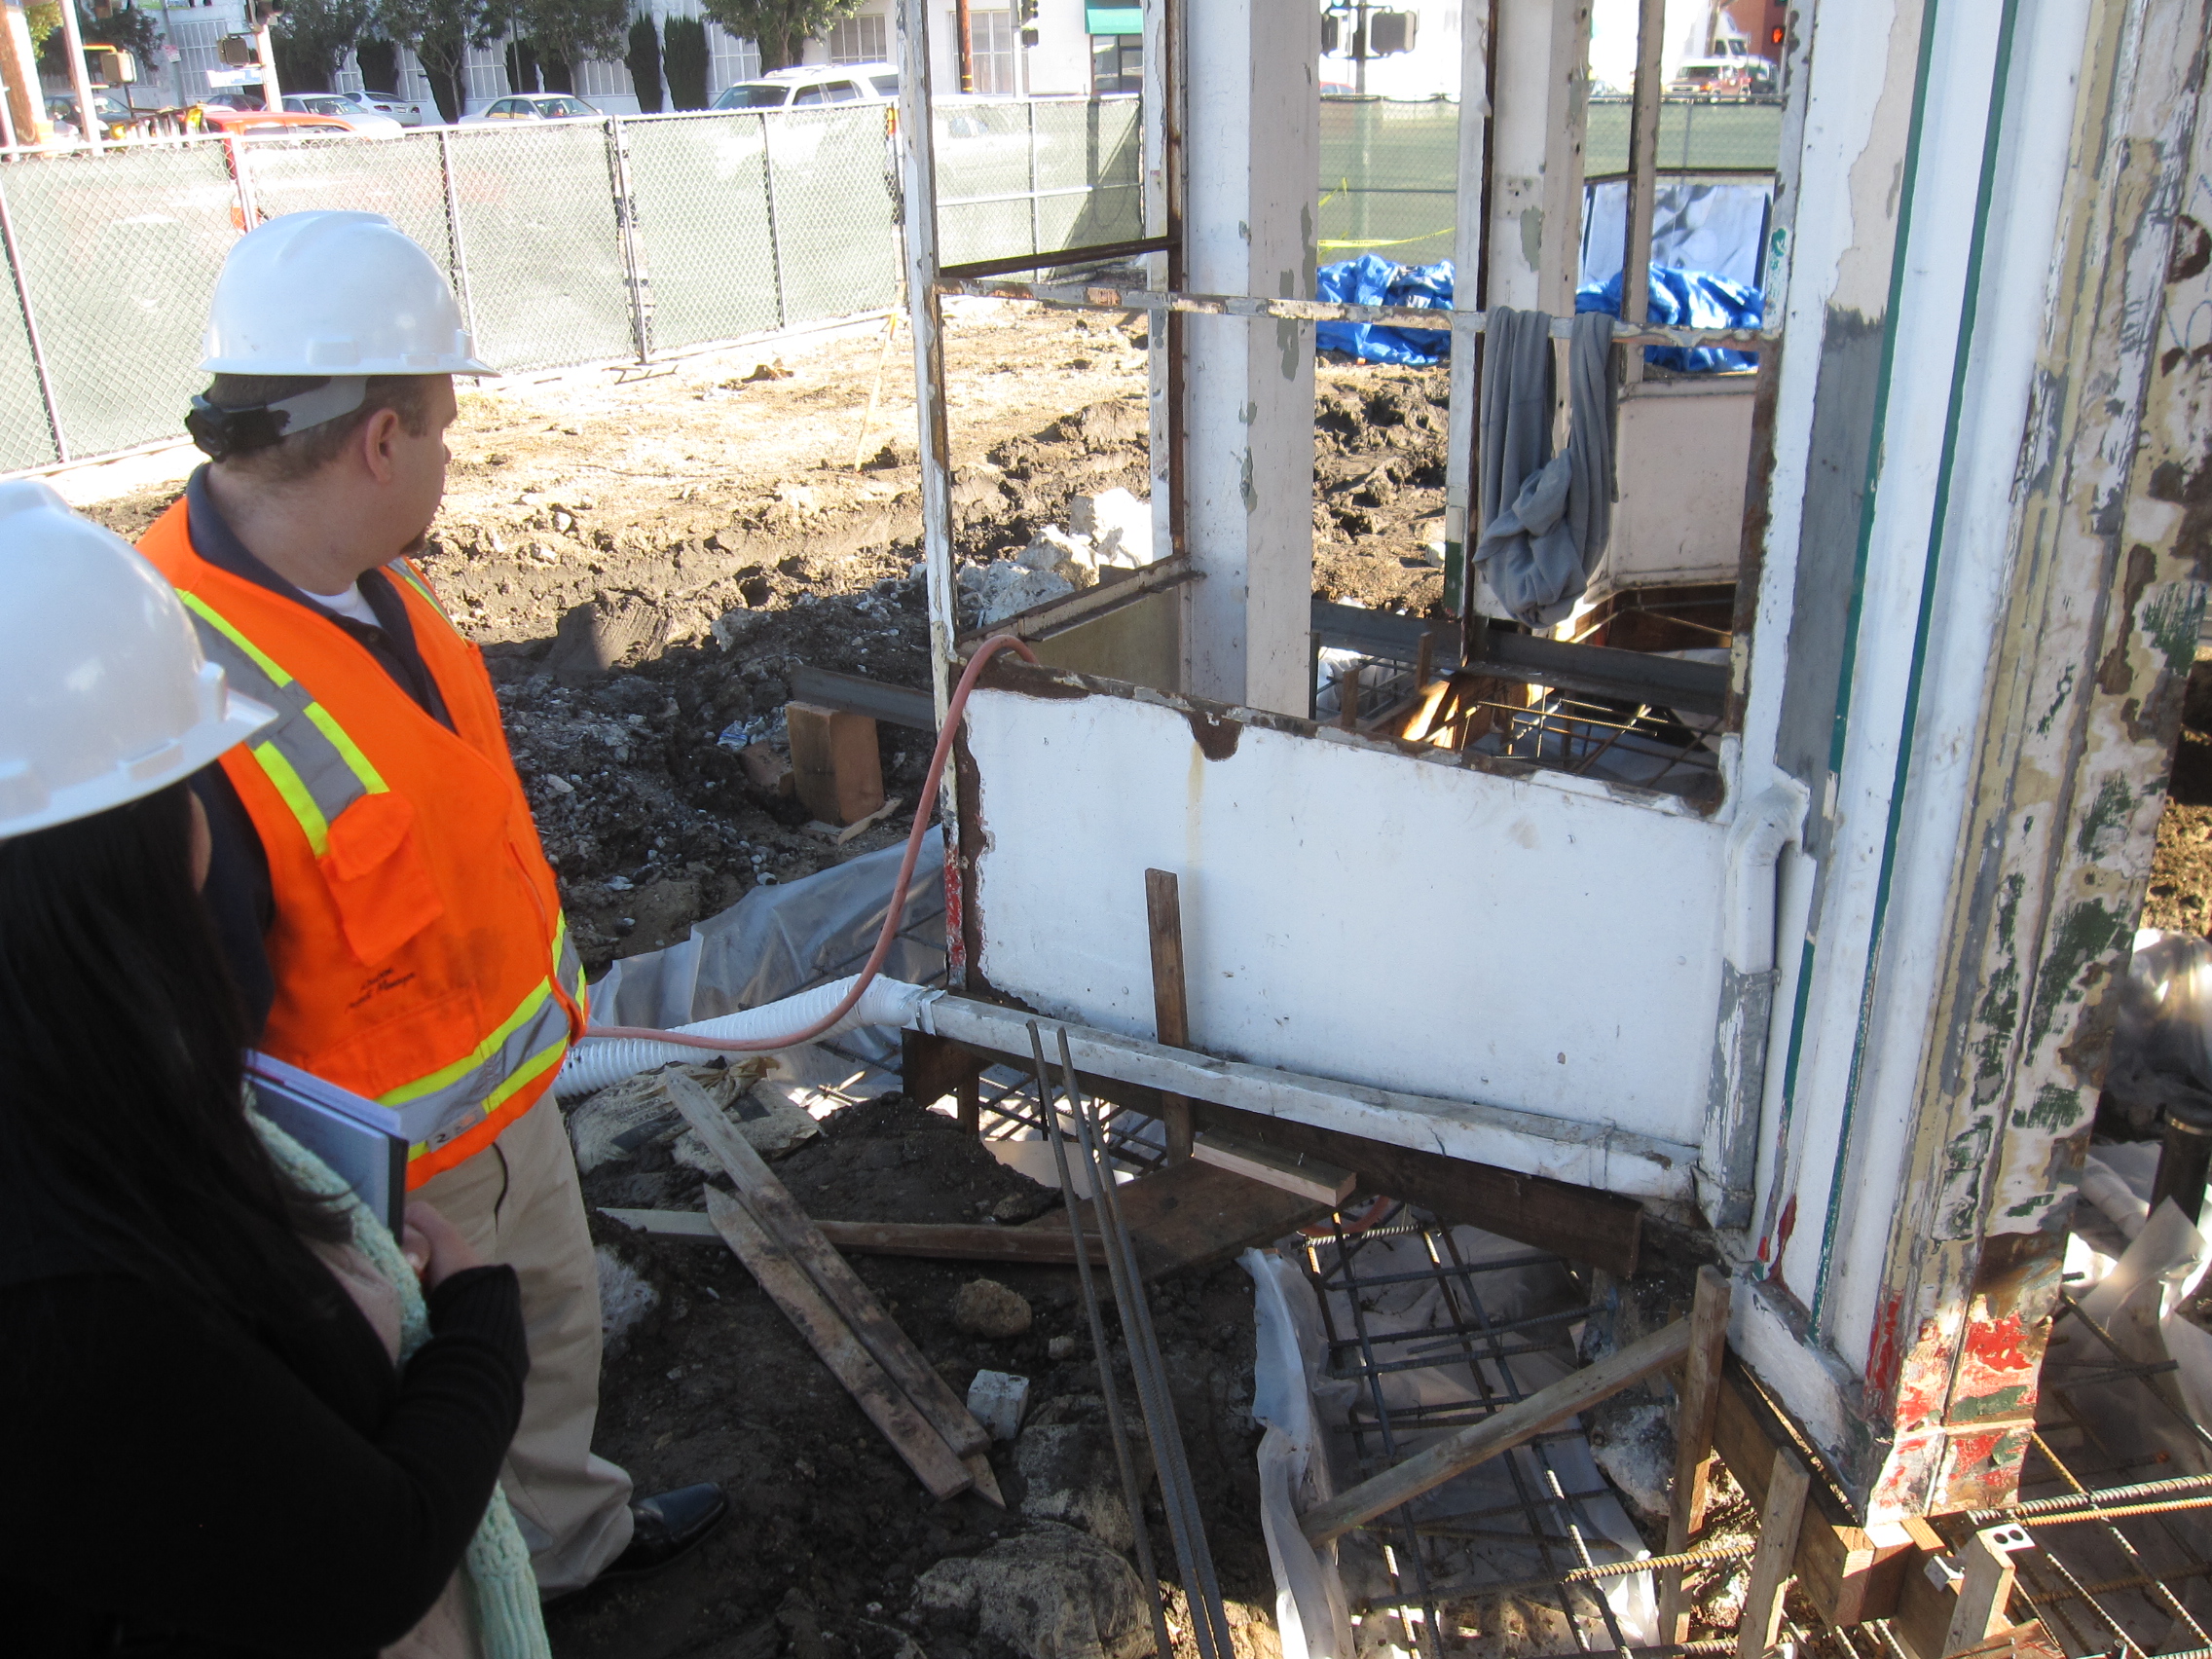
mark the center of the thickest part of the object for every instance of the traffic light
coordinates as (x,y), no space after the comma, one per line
(260,14)
(1389,33)
(1027,13)
(1775,35)
(1330,31)
(236,50)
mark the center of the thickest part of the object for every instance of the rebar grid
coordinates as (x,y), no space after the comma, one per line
(1554,1522)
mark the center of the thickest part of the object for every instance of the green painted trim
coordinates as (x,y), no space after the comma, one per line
(1961,359)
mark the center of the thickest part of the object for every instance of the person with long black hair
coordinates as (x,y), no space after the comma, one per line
(207,1445)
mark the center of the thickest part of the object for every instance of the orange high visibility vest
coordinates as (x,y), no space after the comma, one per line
(418,948)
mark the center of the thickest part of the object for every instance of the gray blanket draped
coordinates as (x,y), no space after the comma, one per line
(1545,519)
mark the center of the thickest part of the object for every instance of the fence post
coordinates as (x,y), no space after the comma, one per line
(453,230)
(775,239)
(250,210)
(626,224)
(1036,225)
(30,329)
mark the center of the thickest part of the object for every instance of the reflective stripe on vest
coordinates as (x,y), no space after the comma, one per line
(319,772)
(316,768)
(401,570)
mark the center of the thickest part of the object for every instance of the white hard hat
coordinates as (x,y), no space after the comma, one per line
(104,696)
(329,293)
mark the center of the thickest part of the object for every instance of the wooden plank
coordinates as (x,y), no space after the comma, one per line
(1697,1403)
(929,1068)
(1515,1426)
(780,1214)
(1170,998)
(836,765)
(940,1241)
(1293,1172)
(1193,1215)
(1781,1517)
(1839,1567)
(1580,1223)
(790,1289)
(1984,1593)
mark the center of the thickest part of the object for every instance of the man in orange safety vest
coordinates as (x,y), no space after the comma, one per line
(377,881)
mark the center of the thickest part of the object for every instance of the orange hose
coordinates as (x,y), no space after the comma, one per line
(954,707)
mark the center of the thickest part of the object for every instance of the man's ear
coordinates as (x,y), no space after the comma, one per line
(376,442)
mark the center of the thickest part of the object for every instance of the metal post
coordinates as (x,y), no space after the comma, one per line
(775,240)
(30,328)
(1642,174)
(2184,1159)
(626,223)
(1036,230)
(1459,504)
(73,37)
(962,23)
(453,230)
(176,65)
(918,155)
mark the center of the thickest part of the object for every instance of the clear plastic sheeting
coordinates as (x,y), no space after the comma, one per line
(778,940)
(1398,1337)
(2161,1043)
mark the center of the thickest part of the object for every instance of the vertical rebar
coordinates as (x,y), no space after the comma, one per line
(768,200)
(1209,1624)
(626,230)
(1133,1491)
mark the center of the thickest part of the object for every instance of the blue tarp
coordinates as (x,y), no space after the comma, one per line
(1373,281)
(1688,299)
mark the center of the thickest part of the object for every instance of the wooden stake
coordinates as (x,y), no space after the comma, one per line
(789,1287)
(1517,1425)
(1170,998)
(1697,1408)
(780,1214)
(1983,1591)
(1773,1567)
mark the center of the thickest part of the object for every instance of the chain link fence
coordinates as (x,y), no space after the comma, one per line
(632,238)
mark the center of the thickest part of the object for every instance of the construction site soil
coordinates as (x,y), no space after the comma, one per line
(829,1530)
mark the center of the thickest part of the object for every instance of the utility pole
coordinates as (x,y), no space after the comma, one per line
(263,15)
(1359,48)
(960,27)
(175,56)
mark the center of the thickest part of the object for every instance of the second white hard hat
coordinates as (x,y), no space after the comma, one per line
(330,293)
(104,695)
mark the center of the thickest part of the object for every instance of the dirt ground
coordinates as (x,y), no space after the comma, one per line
(830,1529)
(705,526)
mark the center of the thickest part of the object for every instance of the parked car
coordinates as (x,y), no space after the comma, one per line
(536,106)
(266,122)
(814,83)
(115,117)
(1725,77)
(340,106)
(401,110)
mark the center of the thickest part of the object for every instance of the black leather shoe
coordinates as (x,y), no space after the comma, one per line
(669,1526)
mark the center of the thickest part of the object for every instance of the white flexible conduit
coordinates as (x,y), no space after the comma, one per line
(594,1063)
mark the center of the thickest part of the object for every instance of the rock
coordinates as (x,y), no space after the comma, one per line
(1060,1348)
(1008,587)
(625,1297)
(1051,1591)
(985,1307)
(1052,548)
(1117,525)
(1634,1445)
(771,1135)
(1071,1477)
(598,636)
(611,1125)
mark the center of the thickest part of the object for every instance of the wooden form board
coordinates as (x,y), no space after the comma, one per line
(1841,1569)
(942,1241)
(1192,1215)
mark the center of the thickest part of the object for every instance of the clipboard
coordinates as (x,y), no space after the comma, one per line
(364,1143)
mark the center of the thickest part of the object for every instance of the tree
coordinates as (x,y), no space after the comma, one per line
(440,33)
(379,61)
(131,30)
(683,59)
(643,59)
(312,37)
(780,28)
(565,33)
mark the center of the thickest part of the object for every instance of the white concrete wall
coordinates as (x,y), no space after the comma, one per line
(1543,944)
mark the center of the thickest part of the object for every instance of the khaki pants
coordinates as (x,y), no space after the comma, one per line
(518,1201)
